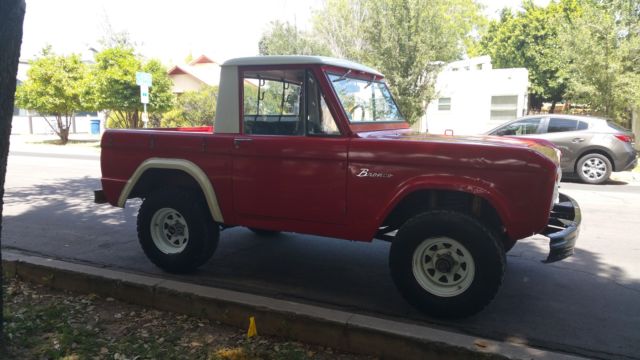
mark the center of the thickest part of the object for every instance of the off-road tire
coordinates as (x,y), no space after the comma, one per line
(477,288)
(203,232)
(594,168)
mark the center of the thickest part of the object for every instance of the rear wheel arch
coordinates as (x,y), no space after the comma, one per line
(155,173)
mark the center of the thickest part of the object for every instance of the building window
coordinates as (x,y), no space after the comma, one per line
(444,103)
(504,107)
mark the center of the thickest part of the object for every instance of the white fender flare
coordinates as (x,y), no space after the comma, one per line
(176,164)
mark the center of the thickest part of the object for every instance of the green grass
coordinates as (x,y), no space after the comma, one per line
(41,323)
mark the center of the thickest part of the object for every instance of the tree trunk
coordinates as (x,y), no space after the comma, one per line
(553,107)
(11,19)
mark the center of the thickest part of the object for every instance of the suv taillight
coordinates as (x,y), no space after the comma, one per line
(625,138)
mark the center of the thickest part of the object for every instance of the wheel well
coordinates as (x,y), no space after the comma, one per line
(425,200)
(595,151)
(154,179)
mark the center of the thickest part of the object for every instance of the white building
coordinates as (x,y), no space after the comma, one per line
(472,97)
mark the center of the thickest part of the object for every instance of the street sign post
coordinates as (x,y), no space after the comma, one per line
(144,80)
(144,94)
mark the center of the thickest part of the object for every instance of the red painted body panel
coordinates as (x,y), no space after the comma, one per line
(311,184)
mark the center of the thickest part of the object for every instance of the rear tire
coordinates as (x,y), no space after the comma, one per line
(447,264)
(176,231)
(594,168)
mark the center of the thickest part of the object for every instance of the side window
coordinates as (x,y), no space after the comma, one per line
(583,125)
(319,118)
(560,125)
(272,102)
(522,127)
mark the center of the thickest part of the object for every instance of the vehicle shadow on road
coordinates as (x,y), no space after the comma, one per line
(584,304)
(565,305)
(60,219)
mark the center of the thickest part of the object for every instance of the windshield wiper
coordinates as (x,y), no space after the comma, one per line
(344,76)
(371,82)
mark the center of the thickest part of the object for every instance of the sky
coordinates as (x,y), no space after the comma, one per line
(171,30)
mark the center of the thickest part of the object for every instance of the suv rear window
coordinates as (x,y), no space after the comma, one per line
(560,125)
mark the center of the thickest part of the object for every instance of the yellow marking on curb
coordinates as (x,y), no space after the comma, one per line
(253,330)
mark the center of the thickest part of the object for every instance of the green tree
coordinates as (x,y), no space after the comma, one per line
(405,39)
(282,38)
(193,108)
(56,87)
(340,25)
(531,39)
(408,39)
(602,46)
(114,89)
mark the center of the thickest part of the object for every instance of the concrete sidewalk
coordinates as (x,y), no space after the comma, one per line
(342,330)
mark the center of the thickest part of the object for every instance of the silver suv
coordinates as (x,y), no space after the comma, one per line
(591,147)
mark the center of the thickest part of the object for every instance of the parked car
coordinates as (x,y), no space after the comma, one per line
(591,147)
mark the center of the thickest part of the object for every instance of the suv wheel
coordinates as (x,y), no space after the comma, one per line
(594,168)
(175,230)
(447,264)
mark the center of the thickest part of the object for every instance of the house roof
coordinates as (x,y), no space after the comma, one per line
(202,59)
(202,68)
(297,59)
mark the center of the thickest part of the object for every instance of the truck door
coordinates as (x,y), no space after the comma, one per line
(290,160)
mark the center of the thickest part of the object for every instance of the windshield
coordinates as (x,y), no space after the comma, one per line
(365,100)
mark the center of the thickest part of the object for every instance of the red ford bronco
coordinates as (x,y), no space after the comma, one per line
(316,145)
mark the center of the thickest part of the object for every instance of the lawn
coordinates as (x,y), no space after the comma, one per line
(42,323)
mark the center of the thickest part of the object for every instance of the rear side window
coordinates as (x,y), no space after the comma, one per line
(560,125)
(583,125)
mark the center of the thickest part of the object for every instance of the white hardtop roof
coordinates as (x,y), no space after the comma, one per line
(298,59)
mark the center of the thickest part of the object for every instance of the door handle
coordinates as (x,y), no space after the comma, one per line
(238,141)
(577,140)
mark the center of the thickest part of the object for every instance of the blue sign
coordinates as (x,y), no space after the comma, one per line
(143,78)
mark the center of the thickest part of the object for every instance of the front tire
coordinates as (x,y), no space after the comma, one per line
(594,168)
(447,264)
(175,230)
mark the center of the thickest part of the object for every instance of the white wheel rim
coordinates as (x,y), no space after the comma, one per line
(169,231)
(443,266)
(594,168)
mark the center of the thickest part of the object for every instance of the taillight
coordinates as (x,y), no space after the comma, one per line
(625,138)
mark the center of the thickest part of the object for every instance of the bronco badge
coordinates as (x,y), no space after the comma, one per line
(366,173)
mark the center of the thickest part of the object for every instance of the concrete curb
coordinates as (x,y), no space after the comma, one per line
(306,323)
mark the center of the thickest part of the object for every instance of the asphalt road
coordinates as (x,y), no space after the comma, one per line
(588,304)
